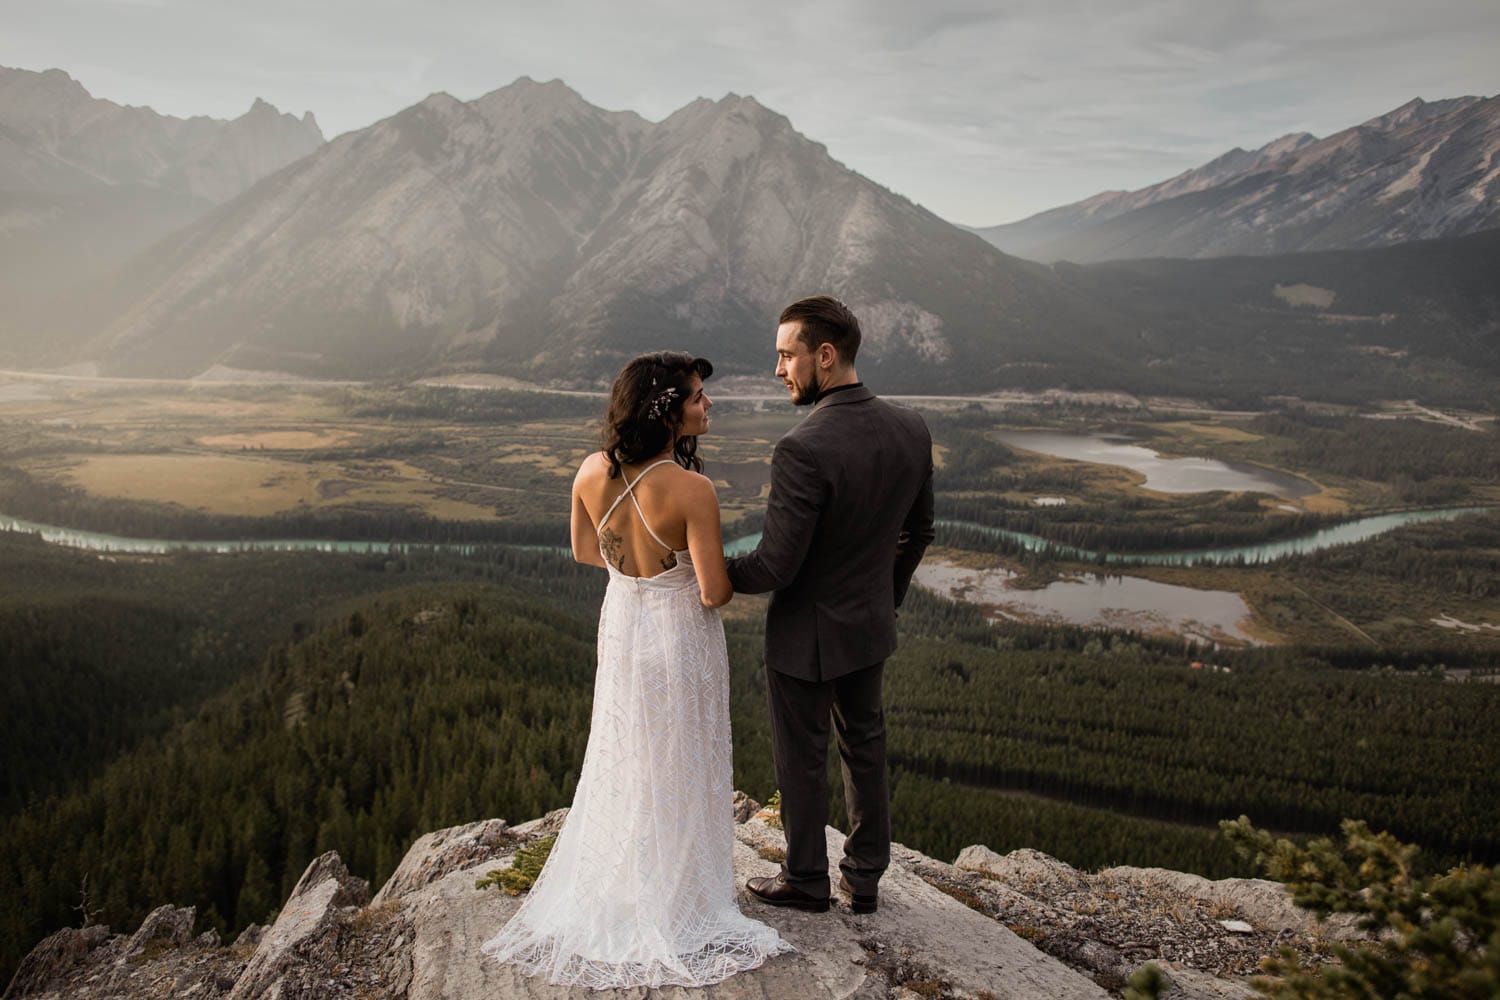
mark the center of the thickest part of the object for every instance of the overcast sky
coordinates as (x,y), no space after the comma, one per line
(982,112)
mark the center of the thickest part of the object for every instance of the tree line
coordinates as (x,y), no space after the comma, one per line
(385,712)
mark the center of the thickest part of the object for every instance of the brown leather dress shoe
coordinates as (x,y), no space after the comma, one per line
(779,892)
(858,902)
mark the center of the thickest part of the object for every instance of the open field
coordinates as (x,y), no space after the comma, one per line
(203,482)
(222,484)
(277,440)
(257,451)
(491,456)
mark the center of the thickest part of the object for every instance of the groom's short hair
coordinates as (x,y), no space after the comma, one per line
(824,319)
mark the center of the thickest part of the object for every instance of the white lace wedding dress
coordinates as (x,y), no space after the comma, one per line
(639,888)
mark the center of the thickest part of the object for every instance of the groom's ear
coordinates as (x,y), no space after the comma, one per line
(827,355)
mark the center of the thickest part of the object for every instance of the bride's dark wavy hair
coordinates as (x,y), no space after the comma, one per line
(645,409)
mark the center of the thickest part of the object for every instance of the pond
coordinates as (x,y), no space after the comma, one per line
(1119,602)
(1164,475)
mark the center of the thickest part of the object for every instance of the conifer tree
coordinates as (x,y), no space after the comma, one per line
(1437,936)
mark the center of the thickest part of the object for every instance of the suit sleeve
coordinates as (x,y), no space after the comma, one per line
(916,534)
(792,510)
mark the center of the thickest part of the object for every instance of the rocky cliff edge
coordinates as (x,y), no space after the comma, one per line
(1021,926)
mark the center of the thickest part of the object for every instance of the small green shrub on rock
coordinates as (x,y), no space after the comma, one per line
(1147,983)
(1437,935)
(524,868)
(773,810)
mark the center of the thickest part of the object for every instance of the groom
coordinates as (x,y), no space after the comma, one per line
(849,515)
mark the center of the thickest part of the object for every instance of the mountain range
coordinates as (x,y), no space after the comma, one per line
(86,182)
(1423,171)
(531,233)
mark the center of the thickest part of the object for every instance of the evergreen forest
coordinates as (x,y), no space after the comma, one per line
(195,729)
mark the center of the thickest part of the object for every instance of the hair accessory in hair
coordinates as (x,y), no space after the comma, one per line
(662,402)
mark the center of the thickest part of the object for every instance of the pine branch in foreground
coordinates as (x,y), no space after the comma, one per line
(1435,935)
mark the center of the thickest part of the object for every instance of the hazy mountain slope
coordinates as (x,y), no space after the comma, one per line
(440,227)
(85,182)
(1057,223)
(737,214)
(1425,170)
(1421,319)
(530,233)
(533,231)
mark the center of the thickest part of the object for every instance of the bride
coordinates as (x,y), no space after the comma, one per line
(639,888)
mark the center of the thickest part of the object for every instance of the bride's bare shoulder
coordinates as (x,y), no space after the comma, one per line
(594,468)
(696,487)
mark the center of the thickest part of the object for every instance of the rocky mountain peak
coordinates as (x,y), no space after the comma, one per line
(466,228)
(734,125)
(538,99)
(95,182)
(266,116)
(1424,170)
(1417,110)
(47,106)
(525,109)
(13,79)
(750,110)
(1288,143)
(439,101)
(950,929)
(48,81)
(742,103)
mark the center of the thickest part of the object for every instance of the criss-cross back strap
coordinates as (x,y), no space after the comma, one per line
(630,492)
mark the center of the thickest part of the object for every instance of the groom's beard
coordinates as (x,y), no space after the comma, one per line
(807,395)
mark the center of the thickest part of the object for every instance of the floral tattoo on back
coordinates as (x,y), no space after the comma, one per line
(613,547)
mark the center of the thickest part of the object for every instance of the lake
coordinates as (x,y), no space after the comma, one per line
(1217,616)
(1164,475)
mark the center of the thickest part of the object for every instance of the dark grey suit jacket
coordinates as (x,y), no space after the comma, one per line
(847,521)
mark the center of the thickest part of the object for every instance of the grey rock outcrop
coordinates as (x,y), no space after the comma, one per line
(1260,902)
(1112,922)
(304,940)
(56,959)
(164,927)
(436,854)
(1190,984)
(1016,926)
(161,961)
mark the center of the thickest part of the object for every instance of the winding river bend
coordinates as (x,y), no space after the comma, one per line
(1118,602)
(94,541)
(1348,533)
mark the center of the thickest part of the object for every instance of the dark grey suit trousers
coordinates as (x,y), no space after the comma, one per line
(800,713)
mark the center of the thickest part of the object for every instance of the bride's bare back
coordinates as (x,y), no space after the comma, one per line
(678,505)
